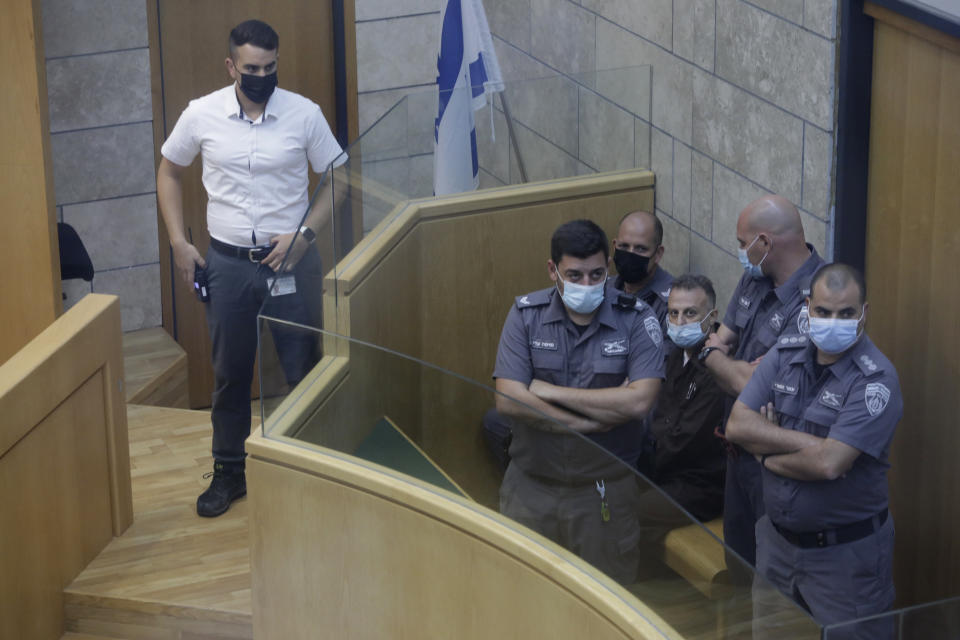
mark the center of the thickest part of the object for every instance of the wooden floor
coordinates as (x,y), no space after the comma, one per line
(172,574)
(155,369)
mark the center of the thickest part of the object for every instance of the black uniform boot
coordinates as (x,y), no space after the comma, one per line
(229,483)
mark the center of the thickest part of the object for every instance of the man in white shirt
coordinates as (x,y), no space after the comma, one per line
(255,141)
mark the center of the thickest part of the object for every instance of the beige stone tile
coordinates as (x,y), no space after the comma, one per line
(731,193)
(510,20)
(661,163)
(820,16)
(398,52)
(490,181)
(563,35)
(518,66)
(74,289)
(722,268)
(672,99)
(815,231)
(71,27)
(99,90)
(630,88)
(379,9)
(411,177)
(651,19)
(103,163)
(120,232)
(682,169)
(392,129)
(694,31)
(817,170)
(791,10)
(606,134)
(139,291)
(542,159)
(701,195)
(641,143)
(748,135)
(548,106)
(493,153)
(676,245)
(776,60)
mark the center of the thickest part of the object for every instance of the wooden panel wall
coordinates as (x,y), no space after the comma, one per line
(31,281)
(435,282)
(188,45)
(64,463)
(339,552)
(913,244)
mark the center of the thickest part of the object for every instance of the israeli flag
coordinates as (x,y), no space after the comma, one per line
(467,77)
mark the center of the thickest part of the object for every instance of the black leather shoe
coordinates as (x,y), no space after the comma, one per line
(229,483)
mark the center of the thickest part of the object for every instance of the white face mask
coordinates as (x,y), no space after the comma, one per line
(581,298)
(687,335)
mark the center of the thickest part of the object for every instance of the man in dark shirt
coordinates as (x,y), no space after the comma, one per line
(686,460)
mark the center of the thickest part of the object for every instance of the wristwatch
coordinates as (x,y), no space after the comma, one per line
(702,357)
(308,234)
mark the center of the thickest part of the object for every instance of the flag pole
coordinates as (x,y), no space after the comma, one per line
(513,136)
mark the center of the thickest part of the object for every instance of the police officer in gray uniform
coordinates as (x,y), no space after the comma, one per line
(820,413)
(578,358)
(637,251)
(778,265)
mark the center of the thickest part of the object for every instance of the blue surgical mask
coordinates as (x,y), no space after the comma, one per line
(582,298)
(753,269)
(687,335)
(834,335)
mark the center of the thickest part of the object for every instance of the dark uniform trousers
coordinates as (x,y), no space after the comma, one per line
(238,293)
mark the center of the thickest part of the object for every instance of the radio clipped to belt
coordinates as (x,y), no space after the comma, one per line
(604,507)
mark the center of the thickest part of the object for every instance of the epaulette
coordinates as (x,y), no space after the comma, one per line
(535,299)
(792,341)
(867,365)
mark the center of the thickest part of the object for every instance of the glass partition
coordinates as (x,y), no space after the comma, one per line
(931,621)
(423,424)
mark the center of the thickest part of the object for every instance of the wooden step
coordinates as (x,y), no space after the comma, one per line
(172,574)
(86,636)
(155,369)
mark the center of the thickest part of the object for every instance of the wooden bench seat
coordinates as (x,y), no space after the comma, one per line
(697,556)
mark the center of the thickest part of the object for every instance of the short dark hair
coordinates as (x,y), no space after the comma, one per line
(657,225)
(837,276)
(254,32)
(578,238)
(692,282)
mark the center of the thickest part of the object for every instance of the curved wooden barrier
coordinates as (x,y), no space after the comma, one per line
(64,463)
(341,547)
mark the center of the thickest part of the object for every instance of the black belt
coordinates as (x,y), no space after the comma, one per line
(846,533)
(253,254)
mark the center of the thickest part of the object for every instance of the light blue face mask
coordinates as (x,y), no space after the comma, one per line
(753,269)
(581,298)
(834,335)
(687,335)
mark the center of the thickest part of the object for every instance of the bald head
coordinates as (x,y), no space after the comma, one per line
(772,214)
(642,223)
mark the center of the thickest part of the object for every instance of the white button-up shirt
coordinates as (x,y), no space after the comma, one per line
(255,172)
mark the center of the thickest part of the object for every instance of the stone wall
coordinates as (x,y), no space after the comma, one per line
(98,85)
(743,103)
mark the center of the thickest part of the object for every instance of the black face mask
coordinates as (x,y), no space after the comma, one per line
(258,88)
(630,266)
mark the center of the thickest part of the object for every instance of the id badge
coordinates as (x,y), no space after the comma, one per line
(282,285)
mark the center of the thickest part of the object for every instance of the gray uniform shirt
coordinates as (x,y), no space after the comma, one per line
(655,294)
(857,401)
(539,341)
(759,313)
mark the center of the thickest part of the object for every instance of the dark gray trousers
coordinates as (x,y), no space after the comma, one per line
(238,291)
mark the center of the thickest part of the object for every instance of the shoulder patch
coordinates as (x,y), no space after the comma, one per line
(876,396)
(792,342)
(665,293)
(535,299)
(653,330)
(803,320)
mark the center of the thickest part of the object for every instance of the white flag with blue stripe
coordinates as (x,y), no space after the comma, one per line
(467,73)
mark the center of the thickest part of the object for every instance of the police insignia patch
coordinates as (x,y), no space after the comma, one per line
(803,320)
(614,347)
(831,399)
(525,300)
(876,396)
(776,321)
(653,330)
